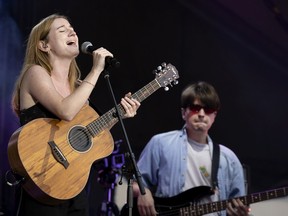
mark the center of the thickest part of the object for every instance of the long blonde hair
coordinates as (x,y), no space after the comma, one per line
(34,56)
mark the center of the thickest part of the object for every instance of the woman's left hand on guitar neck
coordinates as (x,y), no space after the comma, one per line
(130,105)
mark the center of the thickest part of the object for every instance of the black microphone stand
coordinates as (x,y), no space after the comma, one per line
(135,171)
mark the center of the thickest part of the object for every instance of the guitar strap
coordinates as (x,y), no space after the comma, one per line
(215,164)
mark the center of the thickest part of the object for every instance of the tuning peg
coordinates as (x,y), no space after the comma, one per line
(175,82)
(164,64)
(155,71)
(159,68)
(166,88)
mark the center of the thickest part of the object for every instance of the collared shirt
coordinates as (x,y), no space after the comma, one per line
(163,164)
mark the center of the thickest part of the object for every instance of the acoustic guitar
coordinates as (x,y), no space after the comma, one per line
(187,202)
(54,156)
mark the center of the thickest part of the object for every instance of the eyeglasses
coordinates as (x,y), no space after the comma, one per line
(195,108)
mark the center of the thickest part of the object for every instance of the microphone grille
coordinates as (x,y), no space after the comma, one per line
(84,47)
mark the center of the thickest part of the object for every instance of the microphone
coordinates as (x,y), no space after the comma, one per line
(88,48)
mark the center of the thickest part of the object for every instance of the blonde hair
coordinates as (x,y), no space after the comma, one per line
(34,56)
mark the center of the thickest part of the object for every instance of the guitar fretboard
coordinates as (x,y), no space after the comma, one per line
(198,210)
(109,118)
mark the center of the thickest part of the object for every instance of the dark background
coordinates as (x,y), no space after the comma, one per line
(240,47)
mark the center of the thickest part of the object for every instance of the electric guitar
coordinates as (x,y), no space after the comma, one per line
(185,204)
(55,156)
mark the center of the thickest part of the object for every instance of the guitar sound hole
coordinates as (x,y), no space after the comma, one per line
(80,139)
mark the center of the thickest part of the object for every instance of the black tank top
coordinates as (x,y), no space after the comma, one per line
(34,112)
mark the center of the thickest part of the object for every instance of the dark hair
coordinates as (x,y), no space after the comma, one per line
(202,91)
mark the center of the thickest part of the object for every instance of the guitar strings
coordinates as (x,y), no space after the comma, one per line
(77,140)
(103,121)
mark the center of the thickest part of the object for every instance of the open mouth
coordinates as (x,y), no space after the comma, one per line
(71,43)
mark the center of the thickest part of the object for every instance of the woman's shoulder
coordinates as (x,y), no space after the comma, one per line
(35,68)
(34,72)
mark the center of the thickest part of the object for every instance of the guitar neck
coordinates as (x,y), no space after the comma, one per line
(197,210)
(108,119)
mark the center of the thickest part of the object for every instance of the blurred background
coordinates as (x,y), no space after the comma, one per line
(240,47)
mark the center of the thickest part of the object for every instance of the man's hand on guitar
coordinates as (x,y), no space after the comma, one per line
(237,208)
(145,204)
(130,105)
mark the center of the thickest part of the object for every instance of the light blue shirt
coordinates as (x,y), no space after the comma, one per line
(162,164)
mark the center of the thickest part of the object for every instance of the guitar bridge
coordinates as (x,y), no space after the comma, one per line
(58,154)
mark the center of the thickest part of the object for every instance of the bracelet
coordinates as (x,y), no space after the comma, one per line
(89,83)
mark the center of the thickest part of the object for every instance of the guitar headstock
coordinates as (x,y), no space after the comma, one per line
(166,74)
